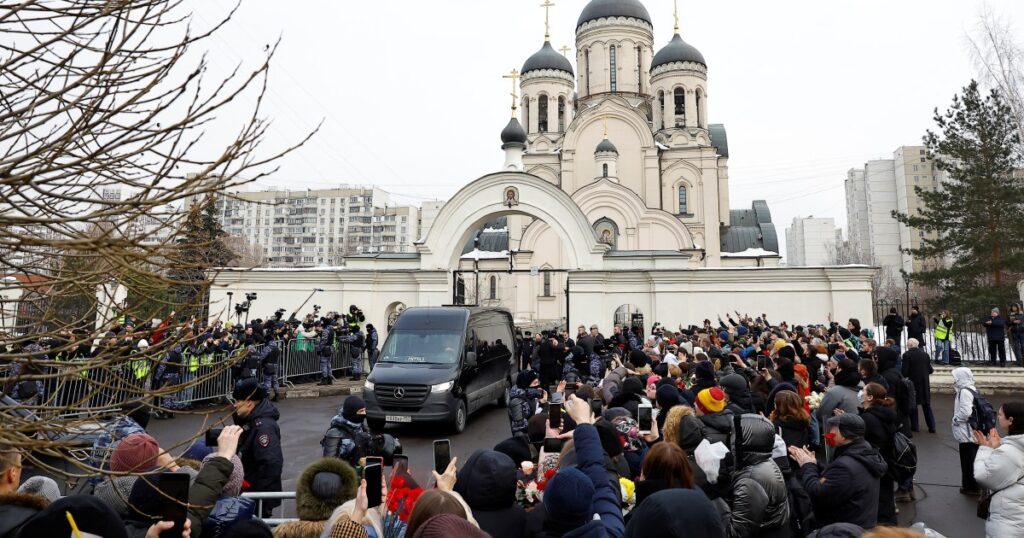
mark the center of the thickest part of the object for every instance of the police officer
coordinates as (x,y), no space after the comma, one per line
(348,437)
(354,341)
(260,445)
(324,349)
(526,350)
(269,358)
(371,344)
(169,375)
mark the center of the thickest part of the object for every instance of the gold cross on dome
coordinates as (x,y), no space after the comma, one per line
(514,75)
(547,5)
(565,50)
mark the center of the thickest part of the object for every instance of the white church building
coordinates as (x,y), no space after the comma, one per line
(612,203)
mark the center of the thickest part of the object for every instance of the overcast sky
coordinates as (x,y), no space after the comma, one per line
(412,98)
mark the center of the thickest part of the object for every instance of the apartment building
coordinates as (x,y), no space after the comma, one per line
(812,241)
(310,228)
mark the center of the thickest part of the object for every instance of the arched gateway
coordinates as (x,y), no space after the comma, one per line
(507,193)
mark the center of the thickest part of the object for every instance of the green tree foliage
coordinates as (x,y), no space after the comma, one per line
(201,246)
(973,224)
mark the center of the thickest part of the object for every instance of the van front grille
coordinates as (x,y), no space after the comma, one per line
(401,395)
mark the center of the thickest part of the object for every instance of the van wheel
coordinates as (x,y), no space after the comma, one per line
(504,398)
(460,418)
(376,425)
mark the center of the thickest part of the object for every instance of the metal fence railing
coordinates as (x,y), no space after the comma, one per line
(970,337)
(260,496)
(203,379)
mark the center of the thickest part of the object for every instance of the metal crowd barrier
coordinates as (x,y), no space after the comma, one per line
(260,496)
(211,381)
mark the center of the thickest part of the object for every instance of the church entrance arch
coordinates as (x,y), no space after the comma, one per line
(628,316)
(509,193)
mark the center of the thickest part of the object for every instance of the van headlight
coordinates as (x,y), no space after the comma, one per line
(443,387)
(368,385)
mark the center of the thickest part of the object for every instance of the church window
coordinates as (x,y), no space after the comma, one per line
(613,68)
(586,69)
(561,113)
(604,170)
(682,200)
(526,113)
(547,284)
(680,102)
(661,109)
(640,69)
(700,108)
(493,287)
(542,114)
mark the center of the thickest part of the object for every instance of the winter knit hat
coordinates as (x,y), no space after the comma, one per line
(525,379)
(711,400)
(636,359)
(233,488)
(724,335)
(850,425)
(445,525)
(667,396)
(568,498)
(91,516)
(349,409)
(198,451)
(704,371)
(632,385)
(135,453)
(41,486)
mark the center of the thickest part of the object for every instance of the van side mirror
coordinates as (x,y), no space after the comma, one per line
(471,359)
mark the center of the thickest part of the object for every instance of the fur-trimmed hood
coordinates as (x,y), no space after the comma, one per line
(16,509)
(312,506)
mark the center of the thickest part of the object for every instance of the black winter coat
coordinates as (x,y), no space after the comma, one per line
(916,327)
(893,324)
(918,368)
(260,449)
(846,490)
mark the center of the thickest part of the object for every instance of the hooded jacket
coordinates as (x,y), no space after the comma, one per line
(846,490)
(741,400)
(839,396)
(675,513)
(313,508)
(16,509)
(1002,471)
(760,504)
(487,482)
(963,404)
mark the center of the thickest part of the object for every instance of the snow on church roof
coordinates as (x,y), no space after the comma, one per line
(750,253)
(477,254)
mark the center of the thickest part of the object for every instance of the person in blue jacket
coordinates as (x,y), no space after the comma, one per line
(576,494)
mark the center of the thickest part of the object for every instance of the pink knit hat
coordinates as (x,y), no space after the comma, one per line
(135,453)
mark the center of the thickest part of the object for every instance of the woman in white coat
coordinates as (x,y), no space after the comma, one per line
(999,466)
(963,405)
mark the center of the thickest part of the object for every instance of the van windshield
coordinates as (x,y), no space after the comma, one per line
(422,347)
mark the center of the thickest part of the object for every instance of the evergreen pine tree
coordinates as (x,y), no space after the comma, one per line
(973,226)
(201,247)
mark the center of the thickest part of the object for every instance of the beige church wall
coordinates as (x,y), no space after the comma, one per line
(673,297)
(372,291)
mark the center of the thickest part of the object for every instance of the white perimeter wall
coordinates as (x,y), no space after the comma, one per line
(797,295)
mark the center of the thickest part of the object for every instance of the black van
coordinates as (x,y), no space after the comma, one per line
(439,364)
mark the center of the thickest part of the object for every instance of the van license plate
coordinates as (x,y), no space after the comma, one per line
(398,418)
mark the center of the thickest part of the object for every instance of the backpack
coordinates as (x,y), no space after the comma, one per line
(910,402)
(903,460)
(983,415)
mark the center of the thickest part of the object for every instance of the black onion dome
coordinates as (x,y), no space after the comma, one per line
(606,146)
(547,58)
(677,50)
(513,133)
(606,9)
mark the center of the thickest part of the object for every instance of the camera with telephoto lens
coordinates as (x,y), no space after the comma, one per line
(384,446)
(250,296)
(278,314)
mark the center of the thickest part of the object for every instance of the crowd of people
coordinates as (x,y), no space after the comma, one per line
(142,355)
(742,428)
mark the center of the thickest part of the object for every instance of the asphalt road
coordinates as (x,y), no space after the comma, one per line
(303,422)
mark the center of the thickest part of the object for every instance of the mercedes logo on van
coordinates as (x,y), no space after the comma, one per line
(399,393)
